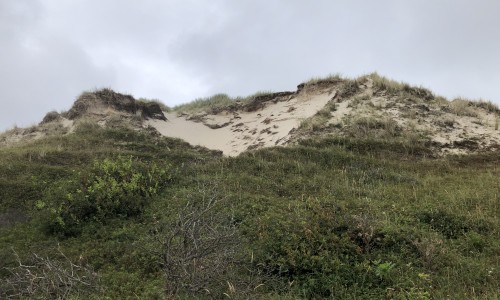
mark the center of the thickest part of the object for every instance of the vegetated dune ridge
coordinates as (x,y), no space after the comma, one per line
(370,106)
(104,107)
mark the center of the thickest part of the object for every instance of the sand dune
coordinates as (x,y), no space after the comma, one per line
(232,133)
(367,107)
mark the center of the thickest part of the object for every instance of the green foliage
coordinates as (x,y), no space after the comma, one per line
(119,187)
(209,105)
(330,78)
(383,269)
(316,252)
(337,218)
(450,225)
(216,103)
(373,127)
(162,105)
(382,83)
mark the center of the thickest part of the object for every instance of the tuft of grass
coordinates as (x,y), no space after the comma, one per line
(488,106)
(320,119)
(372,126)
(357,100)
(162,105)
(337,77)
(382,83)
(313,124)
(50,117)
(462,107)
(209,105)
(385,84)
(218,102)
(446,122)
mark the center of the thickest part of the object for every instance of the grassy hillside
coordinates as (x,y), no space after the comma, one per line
(115,213)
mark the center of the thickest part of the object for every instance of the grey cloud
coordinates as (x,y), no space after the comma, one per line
(178,50)
(39,72)
(424,42)
(47,78)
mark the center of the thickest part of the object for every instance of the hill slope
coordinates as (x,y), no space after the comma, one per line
(112,209)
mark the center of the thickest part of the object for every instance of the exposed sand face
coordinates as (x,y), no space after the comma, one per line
(233,133)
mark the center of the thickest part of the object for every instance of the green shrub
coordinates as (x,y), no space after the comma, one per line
(315,245)
(119,187)
(451,226)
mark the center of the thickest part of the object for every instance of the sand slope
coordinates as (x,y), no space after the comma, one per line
(234,132)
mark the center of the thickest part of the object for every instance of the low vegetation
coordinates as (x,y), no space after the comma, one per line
(216,103)
(112,213)
(162,105)
(330,78)
(392,87)
(115,213)
(208,105)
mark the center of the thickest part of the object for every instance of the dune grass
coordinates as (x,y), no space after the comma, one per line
(216,103)
(162,105)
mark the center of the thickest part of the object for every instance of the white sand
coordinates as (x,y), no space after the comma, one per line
(266,127)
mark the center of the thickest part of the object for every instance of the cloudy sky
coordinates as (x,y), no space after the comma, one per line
(179,50)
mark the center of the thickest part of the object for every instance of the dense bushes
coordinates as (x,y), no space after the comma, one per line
(118,187)
(318,248)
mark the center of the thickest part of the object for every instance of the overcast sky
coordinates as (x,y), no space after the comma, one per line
(178,50)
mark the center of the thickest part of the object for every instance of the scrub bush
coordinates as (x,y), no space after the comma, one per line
(119,187)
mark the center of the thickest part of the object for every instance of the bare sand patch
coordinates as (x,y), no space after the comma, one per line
(234,133)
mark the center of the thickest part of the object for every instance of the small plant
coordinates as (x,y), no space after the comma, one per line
(356,100)
(365,225)
(50,117)
(462,107)
(446,121)
(429,250)
(383,269)
(415,293)
(488,106)
(384,84)
(372,126)
(314,123)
